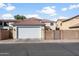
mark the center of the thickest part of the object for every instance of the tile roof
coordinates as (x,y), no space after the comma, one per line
(9,20)
(42,20)
(30,21)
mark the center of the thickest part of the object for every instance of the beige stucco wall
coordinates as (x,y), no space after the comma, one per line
(67,24)
(58,23)
(53,27)
(42,33)
(15,32)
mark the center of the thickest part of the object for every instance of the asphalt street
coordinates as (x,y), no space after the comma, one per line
(40,49)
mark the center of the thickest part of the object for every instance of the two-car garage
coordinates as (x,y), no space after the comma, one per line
(29,32)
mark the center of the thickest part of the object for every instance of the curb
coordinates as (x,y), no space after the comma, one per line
(41,41)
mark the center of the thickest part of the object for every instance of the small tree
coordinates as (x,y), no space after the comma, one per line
(19,17)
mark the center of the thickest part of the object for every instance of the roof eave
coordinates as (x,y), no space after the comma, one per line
(28,24)
(70,18)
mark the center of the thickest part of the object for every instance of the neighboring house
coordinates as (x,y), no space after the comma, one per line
(6,29)
(6,24)
(31,28)
(68,24)
(49,24)
(58,24)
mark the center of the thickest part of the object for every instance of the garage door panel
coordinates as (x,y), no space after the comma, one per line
(31,33)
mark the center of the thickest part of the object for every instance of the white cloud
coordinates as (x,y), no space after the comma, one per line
(62,17)
(7,7)
(77,5)
(53,19)
(53,6)
(59,17)
(7,16)
(2,5)
(50,10)
(74,6)
(70,7)
(64,9)
(33,15)
(10,7)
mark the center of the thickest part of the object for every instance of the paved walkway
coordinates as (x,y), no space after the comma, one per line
(37,41)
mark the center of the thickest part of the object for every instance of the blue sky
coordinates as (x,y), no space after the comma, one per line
(50,11)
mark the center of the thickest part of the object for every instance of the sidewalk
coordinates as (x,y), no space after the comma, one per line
(37,41)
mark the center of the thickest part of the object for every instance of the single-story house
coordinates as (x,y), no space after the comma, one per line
(28,29)
(49,24)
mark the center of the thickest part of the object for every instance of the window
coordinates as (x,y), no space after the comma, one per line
(57,28)
(51,23)
(0,23)
(61,24)
(5,24)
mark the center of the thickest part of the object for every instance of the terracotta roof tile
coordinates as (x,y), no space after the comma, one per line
(29,22)
(9,20)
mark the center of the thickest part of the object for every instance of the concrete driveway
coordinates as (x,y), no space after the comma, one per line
(40,49)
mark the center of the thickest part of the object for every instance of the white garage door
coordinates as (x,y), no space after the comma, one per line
(29,33)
